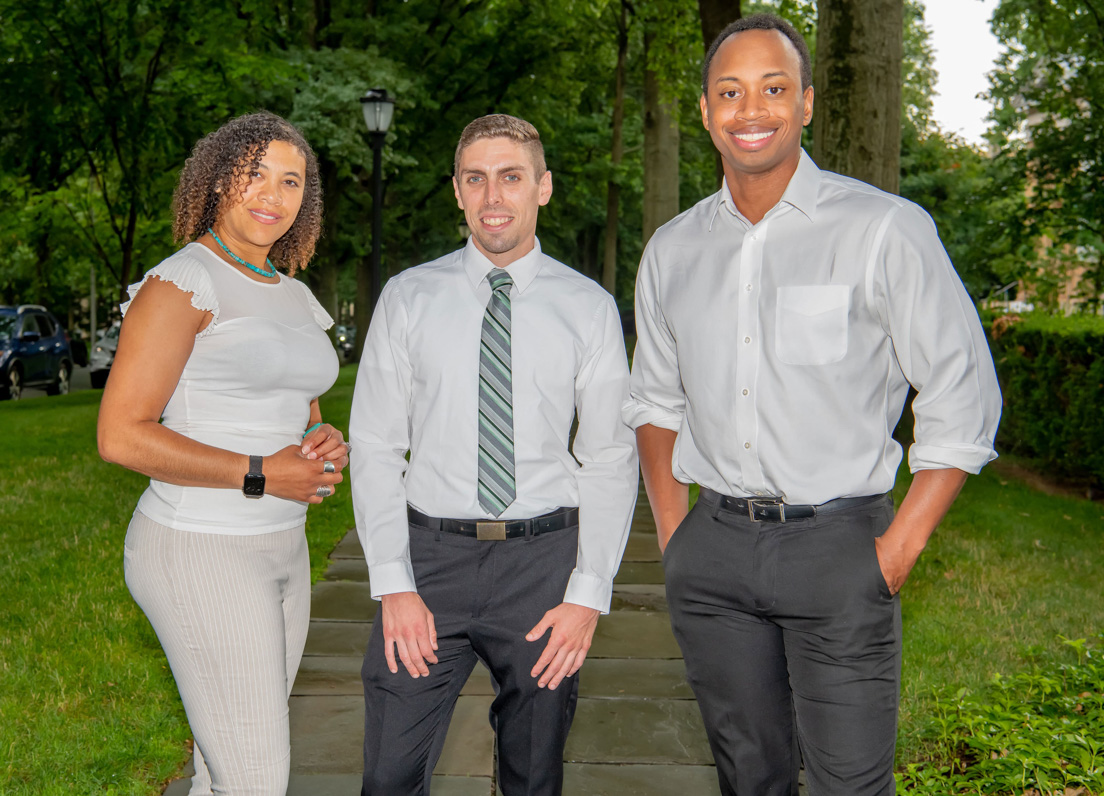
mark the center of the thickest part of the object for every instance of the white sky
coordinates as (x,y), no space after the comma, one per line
(965,50)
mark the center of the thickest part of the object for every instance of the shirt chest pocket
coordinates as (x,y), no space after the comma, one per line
(811,324)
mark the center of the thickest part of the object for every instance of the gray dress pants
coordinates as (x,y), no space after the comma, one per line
(792,645)
(232,614)
(484,596)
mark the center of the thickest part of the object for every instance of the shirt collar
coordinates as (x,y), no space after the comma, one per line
(804,187)
(523,270)
(801,192)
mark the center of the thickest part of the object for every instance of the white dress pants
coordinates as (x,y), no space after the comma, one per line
(231,613)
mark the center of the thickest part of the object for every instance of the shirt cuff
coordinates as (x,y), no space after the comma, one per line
(637,413)
(968,458)
(589,591)
(391,577)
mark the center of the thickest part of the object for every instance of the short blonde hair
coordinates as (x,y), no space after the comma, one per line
(499,125)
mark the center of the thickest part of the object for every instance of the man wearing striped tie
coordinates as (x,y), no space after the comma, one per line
(499,538)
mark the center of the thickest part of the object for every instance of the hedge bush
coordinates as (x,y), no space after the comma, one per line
(1051,371)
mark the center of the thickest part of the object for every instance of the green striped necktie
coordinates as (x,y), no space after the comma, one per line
(497,489)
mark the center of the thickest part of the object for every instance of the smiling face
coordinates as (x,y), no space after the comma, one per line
(499,190)
(754,107)
(269,202)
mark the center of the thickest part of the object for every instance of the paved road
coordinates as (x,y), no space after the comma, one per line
(80,380)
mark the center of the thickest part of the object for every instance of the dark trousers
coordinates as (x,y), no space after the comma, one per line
(792,645)
(484,596)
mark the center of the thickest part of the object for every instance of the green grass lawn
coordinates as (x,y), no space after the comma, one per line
(87,701)
(88,705)
(1008,572)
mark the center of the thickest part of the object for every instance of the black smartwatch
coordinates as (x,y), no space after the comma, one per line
(253,487)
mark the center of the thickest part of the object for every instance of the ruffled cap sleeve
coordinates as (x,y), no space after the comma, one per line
(320,315)
(191,277)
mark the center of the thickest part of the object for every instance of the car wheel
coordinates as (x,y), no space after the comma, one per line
(15,384)
(61,384)
(99,378)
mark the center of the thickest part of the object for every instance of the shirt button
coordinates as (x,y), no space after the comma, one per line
(755,236)
(747,339)
(747,445)
(745,392)
(747,288)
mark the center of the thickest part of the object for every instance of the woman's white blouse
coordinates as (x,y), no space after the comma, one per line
(246,387)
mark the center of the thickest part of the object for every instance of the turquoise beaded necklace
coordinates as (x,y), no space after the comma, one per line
(271,272)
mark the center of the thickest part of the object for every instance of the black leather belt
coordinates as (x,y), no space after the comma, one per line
(498,530)
(772,509)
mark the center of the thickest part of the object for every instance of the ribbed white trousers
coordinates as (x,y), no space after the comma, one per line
(231,613)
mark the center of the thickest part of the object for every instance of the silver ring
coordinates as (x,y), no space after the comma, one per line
(348,448)
(323,491)
(328,467)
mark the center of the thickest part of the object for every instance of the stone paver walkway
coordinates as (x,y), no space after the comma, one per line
(637,729)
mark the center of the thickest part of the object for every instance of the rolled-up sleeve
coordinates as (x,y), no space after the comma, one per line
(940,345)
(605,448)
(655,396)
(380,433)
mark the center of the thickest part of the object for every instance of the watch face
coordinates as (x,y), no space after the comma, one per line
(254,485)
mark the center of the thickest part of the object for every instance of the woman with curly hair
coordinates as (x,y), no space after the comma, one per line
(232,355)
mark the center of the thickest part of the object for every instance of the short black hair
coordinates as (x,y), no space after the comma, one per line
(762,22)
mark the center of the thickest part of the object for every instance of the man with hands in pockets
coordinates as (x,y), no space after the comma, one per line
(496,541)
(781,322)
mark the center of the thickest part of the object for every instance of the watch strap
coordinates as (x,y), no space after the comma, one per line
(255,464)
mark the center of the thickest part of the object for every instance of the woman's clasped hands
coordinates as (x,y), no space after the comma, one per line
(309,471)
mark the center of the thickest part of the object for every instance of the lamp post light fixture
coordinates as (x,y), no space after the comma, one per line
(378,109)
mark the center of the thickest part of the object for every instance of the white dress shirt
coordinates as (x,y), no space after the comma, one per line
(781,352)
(417,390)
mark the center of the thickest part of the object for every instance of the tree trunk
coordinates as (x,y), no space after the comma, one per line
(857,116)
(715,17)
(661,152)
(613,188)
(128,249)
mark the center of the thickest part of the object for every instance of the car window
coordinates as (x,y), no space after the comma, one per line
(7,326)
(29,325)
(45,326)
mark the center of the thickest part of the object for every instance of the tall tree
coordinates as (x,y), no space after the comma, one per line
(1048,95)
(669,28)
(661,147)
(715,16)
(857,121)
(617,149)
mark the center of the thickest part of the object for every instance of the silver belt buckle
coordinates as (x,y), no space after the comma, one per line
(781,508)
(490,530)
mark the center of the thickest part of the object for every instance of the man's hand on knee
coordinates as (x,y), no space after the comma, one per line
(408,627)
(572,629)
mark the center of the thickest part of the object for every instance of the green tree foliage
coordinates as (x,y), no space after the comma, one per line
(100,101)
(1048,96)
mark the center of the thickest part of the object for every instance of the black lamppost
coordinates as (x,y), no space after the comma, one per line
(378,109)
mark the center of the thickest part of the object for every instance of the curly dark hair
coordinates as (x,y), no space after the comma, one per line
(220,160)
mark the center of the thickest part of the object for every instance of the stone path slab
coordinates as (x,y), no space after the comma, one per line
(633,730)
(328,737)
(594,779)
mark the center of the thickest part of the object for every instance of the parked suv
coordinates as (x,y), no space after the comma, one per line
(34,352)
